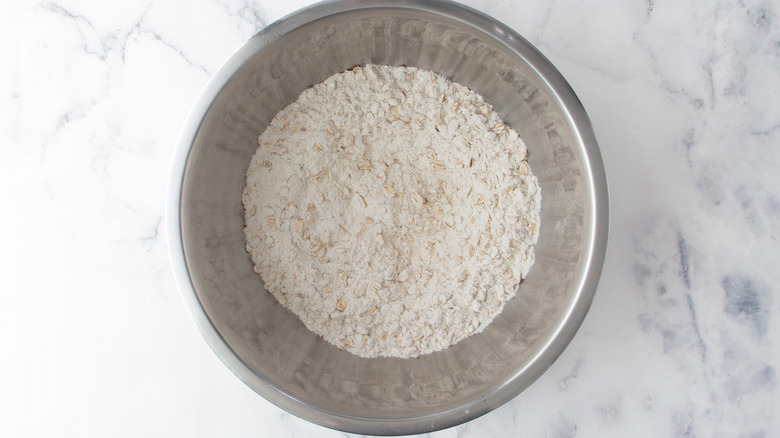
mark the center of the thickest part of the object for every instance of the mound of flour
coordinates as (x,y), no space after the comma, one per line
(391,210)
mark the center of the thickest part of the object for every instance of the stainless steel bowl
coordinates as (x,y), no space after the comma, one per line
(265,345)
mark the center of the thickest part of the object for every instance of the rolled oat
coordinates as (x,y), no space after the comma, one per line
(391,210)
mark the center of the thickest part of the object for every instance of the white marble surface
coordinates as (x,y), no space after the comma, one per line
(681,340)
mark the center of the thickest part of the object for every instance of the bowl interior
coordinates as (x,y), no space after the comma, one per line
(293,367)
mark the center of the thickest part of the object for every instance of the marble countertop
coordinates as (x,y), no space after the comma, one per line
(681,340)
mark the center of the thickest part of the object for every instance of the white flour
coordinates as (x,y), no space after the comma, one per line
(391,210)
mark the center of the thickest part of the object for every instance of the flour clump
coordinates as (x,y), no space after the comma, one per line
(391,210)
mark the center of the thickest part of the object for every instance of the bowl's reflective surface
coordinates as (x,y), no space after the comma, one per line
(266,345)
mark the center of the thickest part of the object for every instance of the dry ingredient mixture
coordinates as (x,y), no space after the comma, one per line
(391,210)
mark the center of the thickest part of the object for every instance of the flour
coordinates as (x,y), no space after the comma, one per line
(391,210)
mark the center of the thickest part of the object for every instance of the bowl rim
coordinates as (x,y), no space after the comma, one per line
(598,232)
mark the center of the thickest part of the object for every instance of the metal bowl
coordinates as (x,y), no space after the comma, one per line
(267,346)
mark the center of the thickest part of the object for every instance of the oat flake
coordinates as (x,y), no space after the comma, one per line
(391,210)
